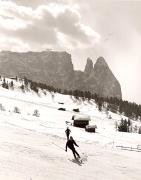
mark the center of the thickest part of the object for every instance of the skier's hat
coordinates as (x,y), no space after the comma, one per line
(71,137)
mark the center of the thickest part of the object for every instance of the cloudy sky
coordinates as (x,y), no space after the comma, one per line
(93,28)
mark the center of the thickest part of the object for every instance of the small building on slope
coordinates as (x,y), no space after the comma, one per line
(81,121)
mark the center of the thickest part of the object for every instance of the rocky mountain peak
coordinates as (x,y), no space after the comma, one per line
(108,85)
(88,67)
(101,67)
(56,69)
(101,61)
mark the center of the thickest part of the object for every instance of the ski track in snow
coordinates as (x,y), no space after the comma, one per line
(33,148)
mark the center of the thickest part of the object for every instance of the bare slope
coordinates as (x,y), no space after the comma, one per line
(33,148)
(27,154)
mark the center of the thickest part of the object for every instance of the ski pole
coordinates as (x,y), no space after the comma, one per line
(84,154)
(58,146)
(80,150)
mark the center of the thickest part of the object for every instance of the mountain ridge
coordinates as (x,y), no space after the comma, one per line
(55,68)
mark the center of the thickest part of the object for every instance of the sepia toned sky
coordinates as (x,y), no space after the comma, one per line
(93,28)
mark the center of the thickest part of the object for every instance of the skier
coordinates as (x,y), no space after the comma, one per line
(70,143)
(68,131)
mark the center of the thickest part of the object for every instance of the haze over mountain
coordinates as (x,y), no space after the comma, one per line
(56,69)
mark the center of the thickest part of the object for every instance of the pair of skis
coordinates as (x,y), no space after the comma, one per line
(78,160)
(82,159)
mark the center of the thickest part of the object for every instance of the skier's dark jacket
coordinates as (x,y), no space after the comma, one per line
(70,143)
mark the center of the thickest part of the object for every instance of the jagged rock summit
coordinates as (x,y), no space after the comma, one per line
(56,69)
(88,67)
(104,81)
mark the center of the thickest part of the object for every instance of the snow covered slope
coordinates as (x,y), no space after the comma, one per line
(33,148)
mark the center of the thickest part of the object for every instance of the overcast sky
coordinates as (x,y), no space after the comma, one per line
(93,28)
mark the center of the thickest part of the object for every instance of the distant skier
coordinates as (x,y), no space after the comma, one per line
(68,131)
(70,143)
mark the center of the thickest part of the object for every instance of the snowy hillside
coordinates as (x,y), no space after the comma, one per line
(33,147)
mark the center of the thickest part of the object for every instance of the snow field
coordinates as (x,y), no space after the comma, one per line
(33,148)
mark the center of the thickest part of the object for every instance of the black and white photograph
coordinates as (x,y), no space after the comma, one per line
(70,90)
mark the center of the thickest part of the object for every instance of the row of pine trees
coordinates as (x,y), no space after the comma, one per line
(129,109)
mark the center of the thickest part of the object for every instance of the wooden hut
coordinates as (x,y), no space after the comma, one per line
(90,128)
(81,121)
